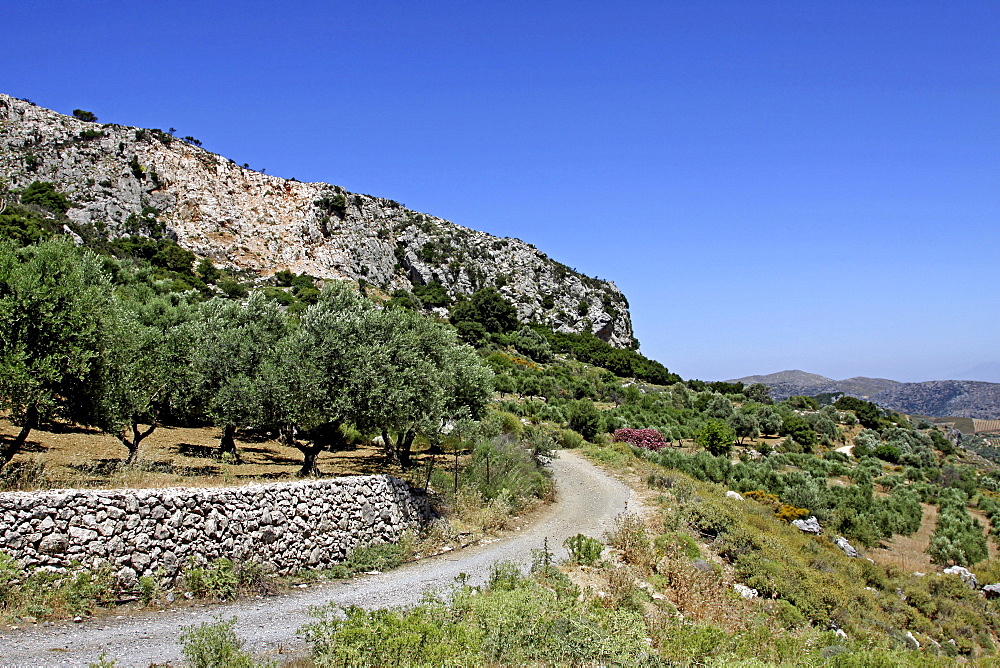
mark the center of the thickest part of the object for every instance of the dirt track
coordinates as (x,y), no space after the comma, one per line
(587,500)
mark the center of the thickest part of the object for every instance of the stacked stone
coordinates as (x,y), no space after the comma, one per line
(282,526)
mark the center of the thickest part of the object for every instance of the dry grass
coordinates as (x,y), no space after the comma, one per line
(76,456)
(909,553)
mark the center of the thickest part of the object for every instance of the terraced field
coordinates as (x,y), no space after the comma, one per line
(986,426)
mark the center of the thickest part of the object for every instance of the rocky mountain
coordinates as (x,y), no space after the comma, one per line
(126,180)
(934,398)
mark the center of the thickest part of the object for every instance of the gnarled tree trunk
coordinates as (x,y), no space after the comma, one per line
(132,444)
(227,444)
(14,447)
(399,451)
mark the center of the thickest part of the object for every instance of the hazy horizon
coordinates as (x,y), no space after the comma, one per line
(773,185)
(986,373)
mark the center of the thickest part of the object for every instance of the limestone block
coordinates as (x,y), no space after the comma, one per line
(55,543)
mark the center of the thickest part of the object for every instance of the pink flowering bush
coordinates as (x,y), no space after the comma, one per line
(649,439)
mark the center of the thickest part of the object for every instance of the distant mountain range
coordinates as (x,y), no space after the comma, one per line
(933,398)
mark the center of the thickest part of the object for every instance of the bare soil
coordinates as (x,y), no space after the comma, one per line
(75,456)
(909,553)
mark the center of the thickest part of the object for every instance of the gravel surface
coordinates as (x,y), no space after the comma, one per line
(587,500)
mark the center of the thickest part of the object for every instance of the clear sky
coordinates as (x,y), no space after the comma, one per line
(774,185)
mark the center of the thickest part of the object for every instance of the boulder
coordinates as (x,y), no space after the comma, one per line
(967,576)
(992,590)
(848,549)
(703,565)
(810,525)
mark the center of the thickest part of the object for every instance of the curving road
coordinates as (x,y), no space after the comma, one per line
(587,500)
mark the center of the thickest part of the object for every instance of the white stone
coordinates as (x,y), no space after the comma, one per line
(848,549)
(967,576)
(810,525)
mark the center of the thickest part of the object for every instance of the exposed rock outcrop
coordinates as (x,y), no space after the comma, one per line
(846,546)
(245,219)
(810,525)
(968,577)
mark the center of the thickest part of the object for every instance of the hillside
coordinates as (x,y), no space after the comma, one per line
(124,180)
(935,398)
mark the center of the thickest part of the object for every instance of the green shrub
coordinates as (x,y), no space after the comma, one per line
(630,537)
(585,419)
(43,194)
(147,589)
(569,439)
(957,539)
(223,580)
(583,550)
(377,557)
(233,289)
(677,542)
(513,621)
(214,645)
(716,437)
(10,577)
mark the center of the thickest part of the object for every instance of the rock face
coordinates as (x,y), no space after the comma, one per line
(992,590)
(244,219)
(282,526)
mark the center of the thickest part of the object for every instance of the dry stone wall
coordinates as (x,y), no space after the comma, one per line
(282,526)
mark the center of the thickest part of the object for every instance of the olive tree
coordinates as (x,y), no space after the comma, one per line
(52,297)
(769,420)
(231,343)
(715,436)
(391,371)
(318,377)
(144,367)
(425,381)
(744,424)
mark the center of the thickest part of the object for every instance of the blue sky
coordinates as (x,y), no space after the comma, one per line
(774,185)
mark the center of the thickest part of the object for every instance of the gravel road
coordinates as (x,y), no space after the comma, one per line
(587,500)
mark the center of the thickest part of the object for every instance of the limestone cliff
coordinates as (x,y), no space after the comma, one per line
(125,180)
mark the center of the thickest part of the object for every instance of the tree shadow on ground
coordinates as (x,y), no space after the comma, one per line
(107,467)
(198,451)
(101,467)
(65,428)
(29,446)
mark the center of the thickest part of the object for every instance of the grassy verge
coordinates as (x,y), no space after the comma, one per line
(662,592)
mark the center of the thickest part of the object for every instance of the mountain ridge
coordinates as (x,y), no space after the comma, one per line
(933,398)
(127,180)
